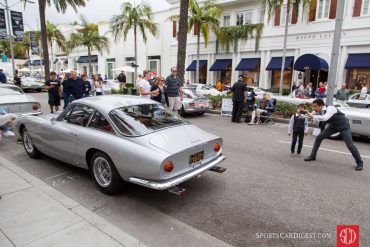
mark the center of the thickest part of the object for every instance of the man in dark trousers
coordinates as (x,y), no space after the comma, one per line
(74,87)
(87,86)
(53,87)
(238,99)
(337,122)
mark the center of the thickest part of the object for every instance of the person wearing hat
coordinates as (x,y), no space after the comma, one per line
(53,87)
(238,99)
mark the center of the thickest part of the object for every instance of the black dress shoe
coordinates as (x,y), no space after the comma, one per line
(360,167)
(310,158)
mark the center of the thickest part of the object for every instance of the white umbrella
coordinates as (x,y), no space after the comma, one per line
(125,68)
(24,70)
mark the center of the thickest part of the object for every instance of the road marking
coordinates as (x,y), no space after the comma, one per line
(329,150)
(57,175)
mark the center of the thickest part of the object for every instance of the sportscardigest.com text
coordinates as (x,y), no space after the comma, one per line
(293,235)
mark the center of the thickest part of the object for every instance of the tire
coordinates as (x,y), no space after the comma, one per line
(182,112)
(110,182)
(31,150)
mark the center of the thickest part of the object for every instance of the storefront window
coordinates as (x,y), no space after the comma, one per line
(226,75)
(251,77)
(287,79)
(355,78)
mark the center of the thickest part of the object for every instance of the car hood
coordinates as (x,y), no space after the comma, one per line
(179,138)
(21,98)
(361,112)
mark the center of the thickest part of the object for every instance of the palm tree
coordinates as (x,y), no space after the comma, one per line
(182,39)
(60,5)
(89,37)
(272,6)
(133,17)
(204,19)
(55,35)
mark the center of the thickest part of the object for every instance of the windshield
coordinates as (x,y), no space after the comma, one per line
(144,119)
(191,93)
(10,91)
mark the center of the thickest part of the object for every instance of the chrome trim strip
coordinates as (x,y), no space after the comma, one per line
(175,181)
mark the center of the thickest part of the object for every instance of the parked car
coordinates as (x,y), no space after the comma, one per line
(193,103)
(295,97)
(123,138)
(257,90)
(205,90)
(31,84)
(359,100)
(14,100)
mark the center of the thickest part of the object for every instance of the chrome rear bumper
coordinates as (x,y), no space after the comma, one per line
(178,180)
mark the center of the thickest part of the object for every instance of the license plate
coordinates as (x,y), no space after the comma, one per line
(196,157)
(201,104)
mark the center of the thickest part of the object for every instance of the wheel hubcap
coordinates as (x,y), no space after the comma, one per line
(27,142)
(102,172)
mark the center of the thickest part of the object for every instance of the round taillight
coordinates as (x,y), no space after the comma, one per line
(168,166)
(35,107)
(217,147)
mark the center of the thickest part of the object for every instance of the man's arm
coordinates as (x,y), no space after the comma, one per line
(290,125)
(330,111)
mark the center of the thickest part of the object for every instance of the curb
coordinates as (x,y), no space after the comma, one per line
(97,221)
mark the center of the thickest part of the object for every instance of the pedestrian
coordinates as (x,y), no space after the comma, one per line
(219,86)
(98,85)
(162,93)
(53,87)
(122,80)
(75,87)
(64,92)
(145,86)
(298,126)
(2,76)
(337,122)
(174,91)
(238,90)
(87,85)
(342,94)
(364,88)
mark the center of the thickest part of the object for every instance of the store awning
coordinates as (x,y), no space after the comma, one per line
(85,59)
(358,61)
(248,64)
(36,63)
(193,65)
(275,63)
(310,62)
(220,64)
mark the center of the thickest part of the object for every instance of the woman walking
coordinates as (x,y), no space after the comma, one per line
(161,97)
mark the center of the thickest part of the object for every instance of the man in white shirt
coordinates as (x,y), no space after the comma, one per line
(337,123)
(145,86)
(364,88)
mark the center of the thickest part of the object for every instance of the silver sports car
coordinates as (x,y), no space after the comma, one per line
(14,100)
(123,138)
(193,103)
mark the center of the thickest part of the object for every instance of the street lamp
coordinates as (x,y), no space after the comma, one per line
(9,28)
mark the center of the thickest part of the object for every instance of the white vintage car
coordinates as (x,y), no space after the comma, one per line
(361,100)
(205,90)
(123,139)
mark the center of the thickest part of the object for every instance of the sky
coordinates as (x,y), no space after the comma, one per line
(94,11)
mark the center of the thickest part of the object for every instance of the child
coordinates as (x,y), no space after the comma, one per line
(299,126)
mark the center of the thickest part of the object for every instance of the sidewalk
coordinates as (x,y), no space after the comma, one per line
(34,214)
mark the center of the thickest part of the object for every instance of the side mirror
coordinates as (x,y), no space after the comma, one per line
(53,120)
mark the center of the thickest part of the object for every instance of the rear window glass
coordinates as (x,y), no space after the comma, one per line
(144,119)
(10,91)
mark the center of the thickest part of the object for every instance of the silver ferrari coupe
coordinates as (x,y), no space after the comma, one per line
(123,139)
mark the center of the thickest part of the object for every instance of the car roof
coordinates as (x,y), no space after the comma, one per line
(107,103)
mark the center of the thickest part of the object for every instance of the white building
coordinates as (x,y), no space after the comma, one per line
(309,46)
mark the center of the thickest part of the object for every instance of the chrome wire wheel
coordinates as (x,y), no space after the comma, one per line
(102,172)
(27,142)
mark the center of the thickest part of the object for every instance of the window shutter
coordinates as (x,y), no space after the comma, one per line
(196,29)
(333,9)
(174,29)
(295,13)
(313,5)
(357,8)
(277,16)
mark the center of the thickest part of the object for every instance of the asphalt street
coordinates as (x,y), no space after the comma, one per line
(264,190)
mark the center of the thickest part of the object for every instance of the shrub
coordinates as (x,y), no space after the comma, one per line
(216,100)
(286,91)
(286,110)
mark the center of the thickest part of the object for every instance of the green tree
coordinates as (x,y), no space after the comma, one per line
(272,6)
(61,6)
(55,36)
(204,19)
(89,37)
(133,17)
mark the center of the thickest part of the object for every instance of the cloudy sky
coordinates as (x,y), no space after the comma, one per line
(95,10)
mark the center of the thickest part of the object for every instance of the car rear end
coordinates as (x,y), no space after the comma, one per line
(194,103)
